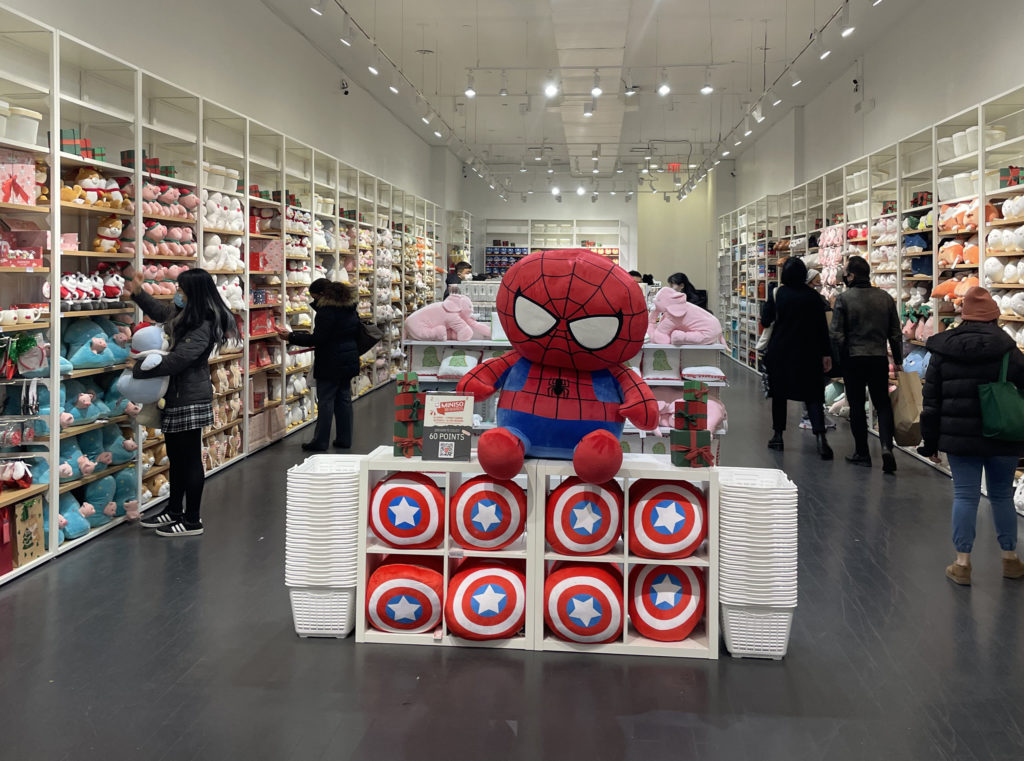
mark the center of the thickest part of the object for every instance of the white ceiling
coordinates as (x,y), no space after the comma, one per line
(626,40)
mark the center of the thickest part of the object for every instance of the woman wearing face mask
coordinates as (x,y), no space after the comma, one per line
(196,321)
(335,360)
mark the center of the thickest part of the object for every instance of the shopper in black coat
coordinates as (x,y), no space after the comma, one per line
(961,360)
(197,321)
(335,360)
(798,353)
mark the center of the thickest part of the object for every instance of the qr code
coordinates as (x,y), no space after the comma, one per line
(445,450)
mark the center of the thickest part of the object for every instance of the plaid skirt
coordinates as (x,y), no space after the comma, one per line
(187,417)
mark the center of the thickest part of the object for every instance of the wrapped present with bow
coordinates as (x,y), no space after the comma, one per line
(695,391)
(408,440)
(690,415)
(691,449)
(409,407)
(407,383)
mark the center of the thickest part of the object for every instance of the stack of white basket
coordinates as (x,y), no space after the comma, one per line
(320,544)
(757,560)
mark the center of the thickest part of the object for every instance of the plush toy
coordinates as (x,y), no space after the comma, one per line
(666,602)
(92,184)
(405,597)
(148,346)
(573,317)
(91,443)
(583,603)
(681,322)
(61,524)
(42,183)
(120,449)
(78,402)
(108,235)
(42,425)
(99,495)
(75,515)
(126,495)
(71,454)
(451,320)
(486,600)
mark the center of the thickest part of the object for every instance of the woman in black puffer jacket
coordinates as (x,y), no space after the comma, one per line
(335,360)
(961,360)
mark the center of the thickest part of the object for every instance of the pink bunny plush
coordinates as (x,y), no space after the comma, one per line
(681,322)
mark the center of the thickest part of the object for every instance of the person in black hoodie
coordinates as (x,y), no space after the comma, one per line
(335,360)
(197,321)
(798,353)
(961,360)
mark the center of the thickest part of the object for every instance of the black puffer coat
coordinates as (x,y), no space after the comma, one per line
(799,342)
(335,356)
(962,359)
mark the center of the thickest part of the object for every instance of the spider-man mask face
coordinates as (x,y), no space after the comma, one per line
(572,308)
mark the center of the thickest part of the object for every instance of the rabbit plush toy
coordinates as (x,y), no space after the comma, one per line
(681,322)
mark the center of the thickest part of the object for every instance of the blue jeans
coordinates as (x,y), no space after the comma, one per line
(967,493)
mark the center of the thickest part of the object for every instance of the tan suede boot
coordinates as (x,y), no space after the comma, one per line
(1013,568)
(959,574)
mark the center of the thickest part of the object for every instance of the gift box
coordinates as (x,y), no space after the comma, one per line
(407,382)
(28,531)
(408,439)
(409,407)
(1009,177)
(151,164)
(100,154)
(690,415)
(17,177)
(168,171)
(691,449)
(888,207)
(695,391)
(128,157)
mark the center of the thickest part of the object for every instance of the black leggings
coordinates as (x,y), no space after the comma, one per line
(185,456)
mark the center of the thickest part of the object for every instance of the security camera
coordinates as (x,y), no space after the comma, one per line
(856,85)
(344,87)
(732,174)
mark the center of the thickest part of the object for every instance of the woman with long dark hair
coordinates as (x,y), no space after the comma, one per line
(197,321)
(680,282)
(798,353)
(335,360)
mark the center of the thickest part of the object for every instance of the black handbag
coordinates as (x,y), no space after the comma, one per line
(369,335)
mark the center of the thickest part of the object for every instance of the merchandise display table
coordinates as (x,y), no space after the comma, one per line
(534,556)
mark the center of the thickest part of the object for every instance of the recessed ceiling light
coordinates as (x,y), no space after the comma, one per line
(470,90)
(551,86)
(437,134)
(555,191)
(588,109)
(595,170)
(579,190)
(596,90)
(393,88)
(845,24)
(372,69)
(664,88)
(346,32)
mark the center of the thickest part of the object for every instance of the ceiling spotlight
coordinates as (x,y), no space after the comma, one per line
(724,154)
(372,69)
(647,156)
(318,9)
(522,166)
(654,166)
(437,134)
(491,185)
(579,190)
(346,33)
(539,155)
(611,192)
(425,118)
(555,191)
(393,87)
(664,88)
(794,78)
(708,88)
(758,113)
(522,197)
(737,143)
(819,46)
(551,87)
(618,168)
(644,170)
(773,98)
(529,192)
(845,24)
(588,109)
(470,90)
(503,92)
(595,170)
(877,2)
(551,169)
(680,196)
(593,197)
(596,90)
(717,162)
(691,166)
(595,155)
(677,181)
(630,89)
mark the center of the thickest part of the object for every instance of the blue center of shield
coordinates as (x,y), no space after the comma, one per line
(488,600)
(486,514)
(586,518)
(404,512)
(584,610)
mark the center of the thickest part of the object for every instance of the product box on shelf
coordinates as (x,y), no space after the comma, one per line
(1009,177)
(690,414)
(691,449)
(258,430)
(269,258)
(17,177)
(28,531)
(127,157)
(408,435)
(7,534)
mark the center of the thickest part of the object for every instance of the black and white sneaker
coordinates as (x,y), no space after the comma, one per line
(163,518)
(180,528)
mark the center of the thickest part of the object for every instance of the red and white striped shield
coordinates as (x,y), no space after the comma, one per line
(584,519)
(486,602)
(404,598)
(666,602)
(406,510)
(666,518)
(584,604)
(486,514)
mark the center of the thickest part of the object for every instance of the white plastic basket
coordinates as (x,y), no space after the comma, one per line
(756,632)
(323,612)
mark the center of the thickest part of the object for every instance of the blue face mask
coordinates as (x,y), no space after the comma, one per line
(179,300)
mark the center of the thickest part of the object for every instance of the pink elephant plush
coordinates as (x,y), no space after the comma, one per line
(681,322)
(451,320)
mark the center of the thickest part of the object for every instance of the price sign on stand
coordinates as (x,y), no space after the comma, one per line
(447,427)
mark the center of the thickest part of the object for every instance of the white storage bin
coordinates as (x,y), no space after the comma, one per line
(187,170)
(231,179)
(960,143)
(856,181)
(972,138)
(992,181)
(994,136)
(323,612)
(975,182)
(947,188)
(945,148)
(5,111)
(756,632)
(962,184)
(23,125)
(206,173)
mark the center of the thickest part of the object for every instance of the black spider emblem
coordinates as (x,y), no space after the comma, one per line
(558,387)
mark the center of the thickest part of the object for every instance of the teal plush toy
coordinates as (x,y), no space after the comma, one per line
(98,397)
(41,471)
(79,403)
(121,449)
(86,344)
(118,337)
(61,523)
(75,514)
(99,495)
(127,494)
(91,443)
(72,455)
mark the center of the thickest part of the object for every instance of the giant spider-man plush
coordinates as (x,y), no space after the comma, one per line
(572,317)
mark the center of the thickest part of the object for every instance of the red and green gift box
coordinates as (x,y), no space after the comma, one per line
(1009,177)
(690,415)
(408,440)
(695,391)
(409,407)
(407,382)
(691,449)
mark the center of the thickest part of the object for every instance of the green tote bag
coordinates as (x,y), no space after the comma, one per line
(1002,407)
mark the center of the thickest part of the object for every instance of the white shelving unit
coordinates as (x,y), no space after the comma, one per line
(524,236)
(541,476)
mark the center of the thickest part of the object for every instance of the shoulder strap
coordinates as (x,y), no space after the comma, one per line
(1005,365)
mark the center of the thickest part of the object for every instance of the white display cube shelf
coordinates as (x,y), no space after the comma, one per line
(539,477)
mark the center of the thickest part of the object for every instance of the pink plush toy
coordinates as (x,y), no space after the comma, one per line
(173,241)
(168,200)
(188,244)
(451,319)
(189,201)
(150,272)
(681,322)
(128,239)
(150,192)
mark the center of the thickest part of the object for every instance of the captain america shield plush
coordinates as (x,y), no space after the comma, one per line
(666,518)
(406,512)
(582,518)
(665,602)
(584,604)
(486,601)
(487,514)
(404,598)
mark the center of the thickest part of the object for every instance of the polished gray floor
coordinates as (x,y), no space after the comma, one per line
(138,647)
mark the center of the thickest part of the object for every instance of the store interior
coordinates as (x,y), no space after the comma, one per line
(380,143)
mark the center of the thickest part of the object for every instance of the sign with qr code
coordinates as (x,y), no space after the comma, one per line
(447,427)
(445,450)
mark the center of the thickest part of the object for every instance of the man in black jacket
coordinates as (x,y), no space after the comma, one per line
(864,319)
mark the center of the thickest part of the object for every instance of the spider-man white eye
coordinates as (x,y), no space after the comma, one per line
(596,333)
(533,319)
